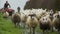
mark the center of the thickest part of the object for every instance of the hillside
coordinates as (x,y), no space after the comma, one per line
(7,27)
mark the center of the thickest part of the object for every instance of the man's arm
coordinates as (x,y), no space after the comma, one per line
(9,5)
(4,5)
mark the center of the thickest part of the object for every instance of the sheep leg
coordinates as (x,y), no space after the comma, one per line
(52,29)
(43,32)
(18,25)
(24,25)
(58,31)
(30,30)
(47,32)
(21,24)
(25,28)
(33,30)
(15,25)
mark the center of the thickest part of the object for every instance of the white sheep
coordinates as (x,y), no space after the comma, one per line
(5,14)
(32,22)
(23,19)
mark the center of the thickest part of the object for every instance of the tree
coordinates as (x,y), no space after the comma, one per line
(48,4)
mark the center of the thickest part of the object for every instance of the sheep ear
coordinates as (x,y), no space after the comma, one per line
(43,18)
(29,15)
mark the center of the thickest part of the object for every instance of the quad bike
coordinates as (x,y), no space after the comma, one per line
(9,10)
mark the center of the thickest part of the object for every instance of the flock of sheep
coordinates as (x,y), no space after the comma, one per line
(45,19)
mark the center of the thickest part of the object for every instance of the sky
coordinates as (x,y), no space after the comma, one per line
(14,3)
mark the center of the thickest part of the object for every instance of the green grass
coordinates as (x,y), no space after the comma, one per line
(7,27)
(39,30)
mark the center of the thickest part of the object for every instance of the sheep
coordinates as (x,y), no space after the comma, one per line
(45,23)
(5,14)
(39,13)
(56,21)
(16,19)
(24,15)
(32,22)
(50,15)
(23,19)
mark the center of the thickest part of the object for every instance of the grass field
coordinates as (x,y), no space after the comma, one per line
(7,27)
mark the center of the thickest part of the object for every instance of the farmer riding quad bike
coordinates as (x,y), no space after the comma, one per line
(7,8)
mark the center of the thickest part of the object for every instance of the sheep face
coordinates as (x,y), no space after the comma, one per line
(56,15)
(44,20)
(45,23)
(32,21)
(50,14)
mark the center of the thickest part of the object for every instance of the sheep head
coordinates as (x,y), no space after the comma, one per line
(32,21)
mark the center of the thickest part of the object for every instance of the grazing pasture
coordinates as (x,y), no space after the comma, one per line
(7,27)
